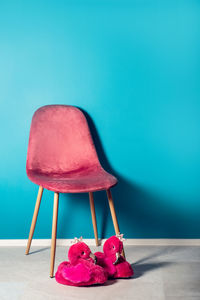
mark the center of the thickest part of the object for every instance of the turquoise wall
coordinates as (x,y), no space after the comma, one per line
(134,68)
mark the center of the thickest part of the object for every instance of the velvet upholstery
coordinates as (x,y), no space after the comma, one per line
(61,154)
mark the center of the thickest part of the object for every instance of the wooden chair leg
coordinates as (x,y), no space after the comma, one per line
(34,219)
(113,214)
(54,232)
(94,222)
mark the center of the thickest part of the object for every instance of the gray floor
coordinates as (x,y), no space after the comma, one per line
(170,273)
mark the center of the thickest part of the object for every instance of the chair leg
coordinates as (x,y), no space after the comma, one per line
(54,232)
(34,219)
(94,222)
(113,214)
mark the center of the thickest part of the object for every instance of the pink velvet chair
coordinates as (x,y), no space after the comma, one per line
(62,158)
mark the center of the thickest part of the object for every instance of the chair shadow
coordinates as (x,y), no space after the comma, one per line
(156,254)
(39,250)
(140,209)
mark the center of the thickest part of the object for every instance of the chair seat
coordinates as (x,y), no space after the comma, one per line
(78,181)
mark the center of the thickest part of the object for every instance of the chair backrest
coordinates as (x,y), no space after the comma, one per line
(60,141)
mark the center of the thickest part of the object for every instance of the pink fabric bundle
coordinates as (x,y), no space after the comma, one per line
(81,269)
(84,268)
(112,260)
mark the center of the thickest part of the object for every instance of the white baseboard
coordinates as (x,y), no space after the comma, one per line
(91,242)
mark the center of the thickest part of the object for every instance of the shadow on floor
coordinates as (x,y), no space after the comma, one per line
(158,253)
(107,283)
(39,250)
(140,269)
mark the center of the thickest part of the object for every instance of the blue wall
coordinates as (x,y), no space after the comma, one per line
(134,68)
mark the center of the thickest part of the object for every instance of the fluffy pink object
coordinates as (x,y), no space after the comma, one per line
(112,260)
(81,269)
(106,263)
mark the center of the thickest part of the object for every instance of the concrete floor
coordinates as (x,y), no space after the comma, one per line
(161,273)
